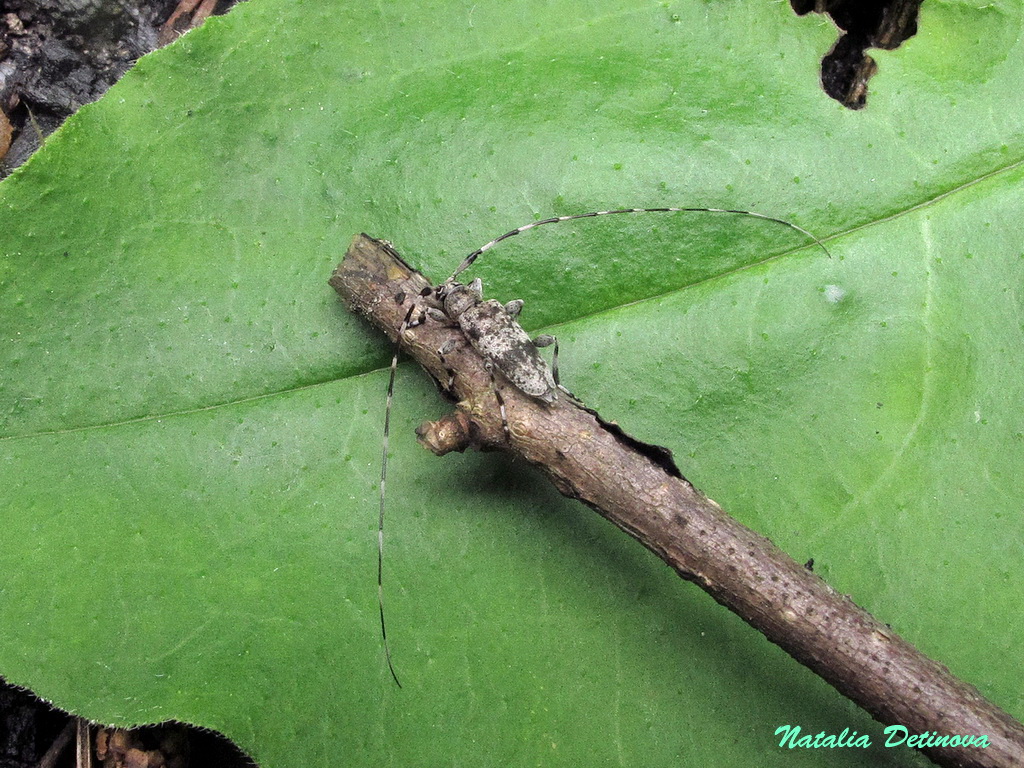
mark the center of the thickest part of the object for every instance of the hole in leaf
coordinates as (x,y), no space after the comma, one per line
(864,24)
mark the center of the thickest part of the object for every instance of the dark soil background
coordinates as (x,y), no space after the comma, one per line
(56,55)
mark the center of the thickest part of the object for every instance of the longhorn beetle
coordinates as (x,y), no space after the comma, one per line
(494,331)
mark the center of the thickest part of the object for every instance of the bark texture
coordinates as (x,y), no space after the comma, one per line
(638,488)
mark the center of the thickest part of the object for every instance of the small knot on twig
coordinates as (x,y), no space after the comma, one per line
(452,432)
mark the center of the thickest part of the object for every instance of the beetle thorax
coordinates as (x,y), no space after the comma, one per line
(458,298)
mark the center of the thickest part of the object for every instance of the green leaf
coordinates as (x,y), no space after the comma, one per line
(191,423)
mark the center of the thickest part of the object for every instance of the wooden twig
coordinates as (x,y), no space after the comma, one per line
(83,743)
(638,488)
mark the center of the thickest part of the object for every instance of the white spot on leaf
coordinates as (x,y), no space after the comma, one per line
(834,294)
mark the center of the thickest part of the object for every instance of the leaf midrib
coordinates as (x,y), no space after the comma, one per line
(934,200)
